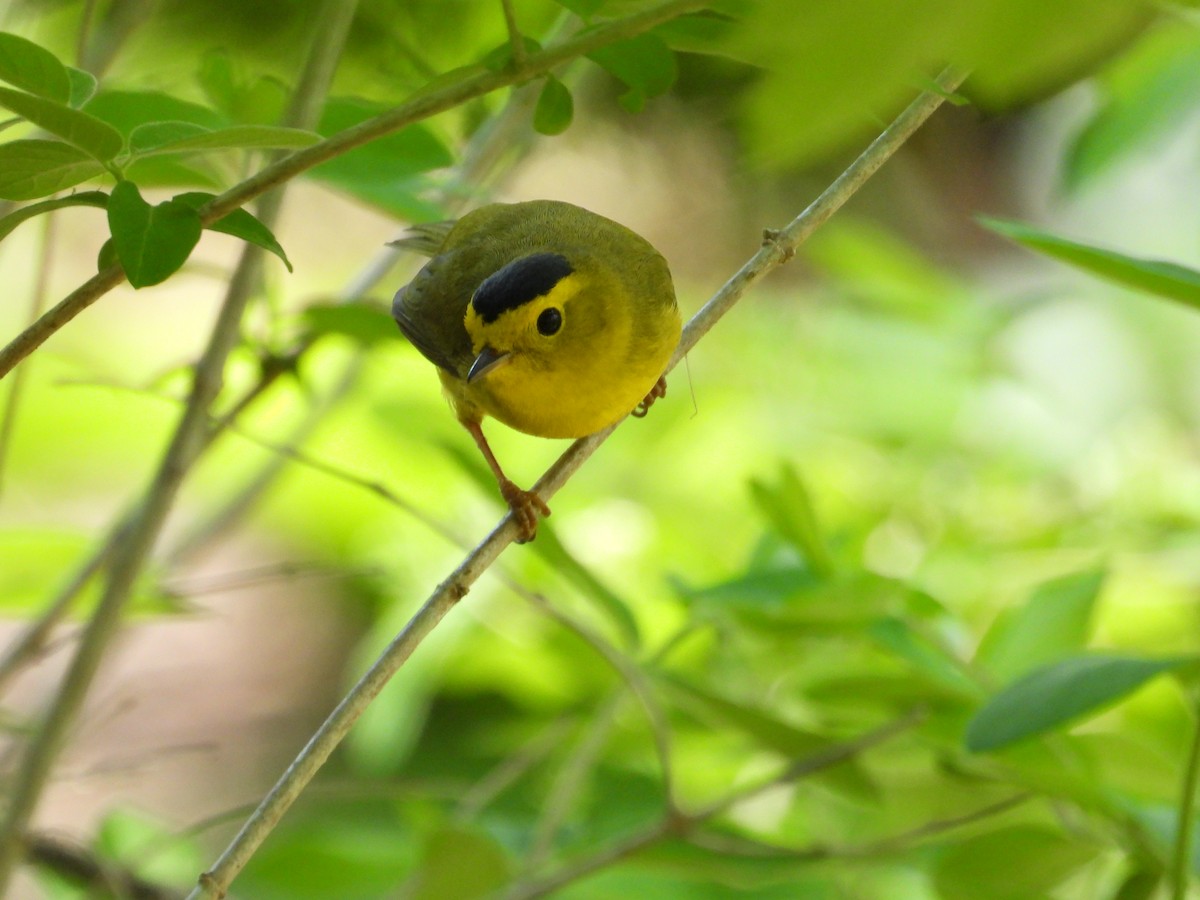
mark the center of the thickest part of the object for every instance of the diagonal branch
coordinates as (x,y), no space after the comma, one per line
(425,104)
(778,248)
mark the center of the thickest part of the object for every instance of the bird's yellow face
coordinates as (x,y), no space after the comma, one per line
(552,349)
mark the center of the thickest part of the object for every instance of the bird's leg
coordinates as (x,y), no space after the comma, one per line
(525,505)
(659,390)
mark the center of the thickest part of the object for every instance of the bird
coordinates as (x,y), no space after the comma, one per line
(550,318)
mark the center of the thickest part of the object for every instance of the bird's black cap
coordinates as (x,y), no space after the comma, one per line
(519,282)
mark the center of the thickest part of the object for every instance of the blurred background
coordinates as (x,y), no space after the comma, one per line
(894,448)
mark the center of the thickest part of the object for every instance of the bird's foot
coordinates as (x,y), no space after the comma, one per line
(526,506)
(659,390)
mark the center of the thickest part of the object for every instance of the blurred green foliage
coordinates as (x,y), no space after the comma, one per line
(958,502)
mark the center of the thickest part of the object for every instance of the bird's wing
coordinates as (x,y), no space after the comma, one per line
(430,309)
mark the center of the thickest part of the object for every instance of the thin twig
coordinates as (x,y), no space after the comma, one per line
(130,553)
(681,824)
(516,40)
(780,247)
(422,106)
(629,672)
(570,780)
(510,769)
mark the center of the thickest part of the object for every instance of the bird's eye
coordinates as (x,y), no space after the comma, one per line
(549,321)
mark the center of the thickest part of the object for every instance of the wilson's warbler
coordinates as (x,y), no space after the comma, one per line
(548,317)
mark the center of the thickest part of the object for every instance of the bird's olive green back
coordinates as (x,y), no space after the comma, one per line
(430,309)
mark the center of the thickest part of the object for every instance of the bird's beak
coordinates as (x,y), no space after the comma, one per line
(487,360)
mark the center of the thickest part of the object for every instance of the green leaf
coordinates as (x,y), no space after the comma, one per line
(1147,92)
(152,242)
(923,655)
(86,198)
(459,862)
(773,733)
(35,168)
(258,100)
(240,223)
(1166,279)
(106,256)
(87,132)
(1054,695)
(366,323)
(644,64)
(787,505)
(1022,862)
(83,87)
(147,137)
(383,172)
(126,110)
(33,68)
(126,837)
(1054,622)
(555,108)
(156,138)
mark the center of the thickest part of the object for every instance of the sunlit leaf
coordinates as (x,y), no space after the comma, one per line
(926,657)
(773,733)
(1146,93)
(90,134)
(554,109)
(1166,279)
(788,506)
(126,837)
(31,67)
(35,168)
(83,86)
(152,242)
(1058,694)
(1054,622)
(1013,863)
(84,198)
(235,137)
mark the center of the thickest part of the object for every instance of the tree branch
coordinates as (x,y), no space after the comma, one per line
(422,106)
(673,824)
(780,247)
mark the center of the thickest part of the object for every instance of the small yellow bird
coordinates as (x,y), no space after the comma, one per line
(552,319)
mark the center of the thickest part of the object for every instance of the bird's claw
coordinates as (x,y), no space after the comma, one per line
(659,390)
(526,506)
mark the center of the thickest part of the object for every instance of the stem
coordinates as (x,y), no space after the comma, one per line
(1182,857)
(186,444)
(515,39)
(778,249)
(422,106)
